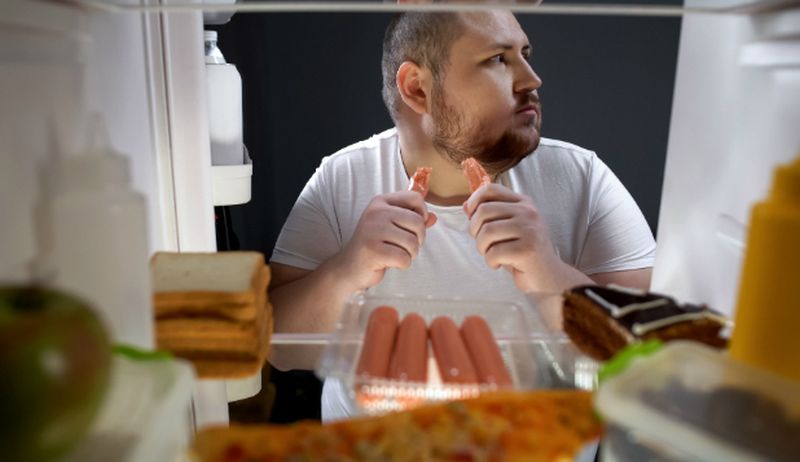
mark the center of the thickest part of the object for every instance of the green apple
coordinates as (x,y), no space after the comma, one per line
(55,361)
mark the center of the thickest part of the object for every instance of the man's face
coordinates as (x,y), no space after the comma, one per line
(485,104)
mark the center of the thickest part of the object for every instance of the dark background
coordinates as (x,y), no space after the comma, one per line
(312,85)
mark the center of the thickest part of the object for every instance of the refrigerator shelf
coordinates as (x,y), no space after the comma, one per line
(232,183)
(666,9)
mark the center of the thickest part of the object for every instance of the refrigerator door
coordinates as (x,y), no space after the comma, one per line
(735,115)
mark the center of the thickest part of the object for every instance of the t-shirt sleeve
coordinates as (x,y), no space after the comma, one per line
(310,234)
(618,237)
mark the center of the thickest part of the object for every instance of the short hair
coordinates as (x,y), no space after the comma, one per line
(423,38)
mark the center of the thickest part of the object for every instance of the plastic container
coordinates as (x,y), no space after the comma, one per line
(232,183)
(94,238)
(527,352)
(224,105)
(689,402)
(146,415)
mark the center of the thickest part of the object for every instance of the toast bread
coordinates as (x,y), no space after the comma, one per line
(226,365)
(206,279)
(220,357)
(193,307)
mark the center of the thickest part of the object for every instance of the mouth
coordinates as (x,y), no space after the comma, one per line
(528,109)
(529,114)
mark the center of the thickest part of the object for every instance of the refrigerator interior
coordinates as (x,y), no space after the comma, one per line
(735,115)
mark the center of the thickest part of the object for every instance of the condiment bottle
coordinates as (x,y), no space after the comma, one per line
(96,238)
(767,330)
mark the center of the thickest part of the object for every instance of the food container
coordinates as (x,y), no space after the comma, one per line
(531,353)
(689,402)
(567,366)
(145,416)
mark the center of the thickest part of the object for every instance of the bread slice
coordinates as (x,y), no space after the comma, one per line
(191,279)
(231,365)
(172,309)
(180,333)
(204,329)
(221,348)
(201,304)
(220,285)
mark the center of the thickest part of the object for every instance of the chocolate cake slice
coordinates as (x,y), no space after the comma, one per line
(601,320)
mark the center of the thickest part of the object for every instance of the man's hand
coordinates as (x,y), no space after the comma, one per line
(388,235)
(510,233)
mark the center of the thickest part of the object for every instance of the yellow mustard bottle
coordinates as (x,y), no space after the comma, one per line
(767,330)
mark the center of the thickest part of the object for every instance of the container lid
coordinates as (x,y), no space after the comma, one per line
(530,353)
(712,407)
(144,415)
(786,183)
(99,166)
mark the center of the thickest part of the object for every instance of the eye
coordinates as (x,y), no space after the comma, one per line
(497,59)
(527,55)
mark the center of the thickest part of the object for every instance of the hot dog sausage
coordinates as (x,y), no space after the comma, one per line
(484,352)
(455,365)
(419,181)
(475,173)
(410,358)
(379,338)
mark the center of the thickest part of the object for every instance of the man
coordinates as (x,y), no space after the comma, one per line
(457,85)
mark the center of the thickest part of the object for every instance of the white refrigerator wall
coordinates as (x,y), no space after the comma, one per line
(40,91)
(116,87)
(144,75)
(735,116)
(58,65)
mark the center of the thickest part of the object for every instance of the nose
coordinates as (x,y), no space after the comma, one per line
(526,80)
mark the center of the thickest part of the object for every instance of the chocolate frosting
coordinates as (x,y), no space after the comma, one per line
(641,312)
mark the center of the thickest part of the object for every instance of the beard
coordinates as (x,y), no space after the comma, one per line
(459,139)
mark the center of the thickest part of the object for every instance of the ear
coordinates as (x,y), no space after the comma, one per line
(413,84)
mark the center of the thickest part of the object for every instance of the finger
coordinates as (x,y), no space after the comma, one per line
(494,233)
(490,193)
(409,221)
(403,239)
(504,254)
(394,256)
(489,212)
(432,218)
(410,200)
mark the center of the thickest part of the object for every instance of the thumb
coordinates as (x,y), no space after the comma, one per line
(431,220)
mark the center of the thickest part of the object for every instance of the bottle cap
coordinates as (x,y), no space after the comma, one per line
(786,183)
(99,166)
(213,55)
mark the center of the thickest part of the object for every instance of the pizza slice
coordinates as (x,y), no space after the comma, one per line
(502,426)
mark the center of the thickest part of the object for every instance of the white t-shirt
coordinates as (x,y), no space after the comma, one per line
(594,224)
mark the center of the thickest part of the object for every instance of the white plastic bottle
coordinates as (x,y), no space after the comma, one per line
(96,226)
(224,105)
